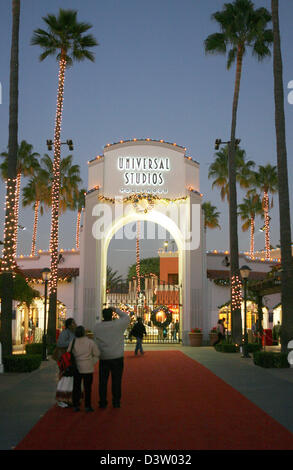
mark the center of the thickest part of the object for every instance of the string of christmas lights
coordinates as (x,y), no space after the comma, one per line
(36,217)
(267,225)
(77,229)
(236,297)
(9,250)
(252,237)
(137,257)
(17,192)
(56,179)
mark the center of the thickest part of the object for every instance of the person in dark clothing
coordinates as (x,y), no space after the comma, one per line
(221,332)
(138,331)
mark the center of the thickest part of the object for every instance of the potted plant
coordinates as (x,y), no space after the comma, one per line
(195,337)
(213,335)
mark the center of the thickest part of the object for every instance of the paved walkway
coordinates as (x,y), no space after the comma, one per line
(24,398)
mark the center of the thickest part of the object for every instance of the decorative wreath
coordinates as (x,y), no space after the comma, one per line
(167,317)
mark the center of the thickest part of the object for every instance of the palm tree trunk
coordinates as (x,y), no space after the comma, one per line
(8,260)
(18,182)
(252,230)
(55,208)
(284,206)
(267,225)
(35,229)
(138,256)
(233,222)
(78,229)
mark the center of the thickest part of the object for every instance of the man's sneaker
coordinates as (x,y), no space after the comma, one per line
(62,404)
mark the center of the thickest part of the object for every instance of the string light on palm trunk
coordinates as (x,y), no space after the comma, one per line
(236,285)
(56,179)
(77,229)
(252,237)
(137,257)
(33,250)
(9,250)
(267,225)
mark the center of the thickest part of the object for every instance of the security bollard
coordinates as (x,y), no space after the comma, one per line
(1,365)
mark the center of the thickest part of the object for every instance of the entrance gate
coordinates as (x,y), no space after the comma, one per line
(144,180)
(162,320)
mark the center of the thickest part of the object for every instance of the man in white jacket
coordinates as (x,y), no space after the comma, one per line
(109,335)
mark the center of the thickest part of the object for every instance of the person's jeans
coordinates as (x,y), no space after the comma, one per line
(76,393)
(138,346)
(115,366)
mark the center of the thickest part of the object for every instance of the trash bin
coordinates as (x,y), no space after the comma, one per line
(267,338)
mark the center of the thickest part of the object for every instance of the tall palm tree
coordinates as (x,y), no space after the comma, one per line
(266,179)
(79,203)
(248,210)
(219,170)
(8,259)
(37,194)
(284,205)
(113,279)
(242,27)
(69,180)
(211,216)
(27,164)
(65,39)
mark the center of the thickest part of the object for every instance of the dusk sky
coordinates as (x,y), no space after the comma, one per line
(151,78)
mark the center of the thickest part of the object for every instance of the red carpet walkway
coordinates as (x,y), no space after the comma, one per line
(169,402)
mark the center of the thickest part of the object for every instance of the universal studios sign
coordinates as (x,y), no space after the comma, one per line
(143,171)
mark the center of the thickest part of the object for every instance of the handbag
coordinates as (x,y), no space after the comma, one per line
(67,363)
(64,390)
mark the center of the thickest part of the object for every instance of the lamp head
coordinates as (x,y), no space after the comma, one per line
(245,271)
(46,274)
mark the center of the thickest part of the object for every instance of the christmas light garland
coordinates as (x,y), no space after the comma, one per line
(135,199)
(77,229)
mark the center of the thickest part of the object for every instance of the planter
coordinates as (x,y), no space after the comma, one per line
(195,339)
(213,338)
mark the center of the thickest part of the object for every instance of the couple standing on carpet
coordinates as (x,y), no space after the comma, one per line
(108,346)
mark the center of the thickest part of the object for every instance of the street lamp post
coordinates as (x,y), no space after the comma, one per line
(46,275)
(166,245)
(245,271)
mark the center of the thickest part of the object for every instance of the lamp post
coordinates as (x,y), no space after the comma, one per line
(166,245)
(46,275)
(245,271)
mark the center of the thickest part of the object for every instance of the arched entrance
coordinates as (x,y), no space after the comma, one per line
(148,181)
(150,286)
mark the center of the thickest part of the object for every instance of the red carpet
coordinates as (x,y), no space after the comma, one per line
(169,402)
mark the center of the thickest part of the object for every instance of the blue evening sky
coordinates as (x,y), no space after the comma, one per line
(151,78)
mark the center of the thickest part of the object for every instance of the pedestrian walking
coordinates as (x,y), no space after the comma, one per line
(86,353)
(220,332)
(64,339)
(109,335)
(138,331)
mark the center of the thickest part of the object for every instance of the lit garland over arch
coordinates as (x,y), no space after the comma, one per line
(168,317)
(142,202)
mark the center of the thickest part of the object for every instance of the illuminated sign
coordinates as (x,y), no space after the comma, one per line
(143,171)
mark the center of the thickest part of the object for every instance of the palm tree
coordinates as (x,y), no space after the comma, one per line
(113,279)
(219,170)
(65,39)
(79,203)
(211,216)
(284,205)
(37,194)
(69,181)
(8,259)
(27,164)
(249,209)
(266,179)
(241,27)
